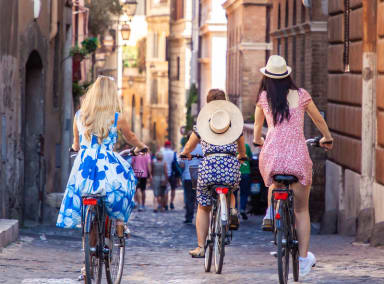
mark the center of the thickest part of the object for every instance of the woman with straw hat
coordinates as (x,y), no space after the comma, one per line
(284,150)
(219,130)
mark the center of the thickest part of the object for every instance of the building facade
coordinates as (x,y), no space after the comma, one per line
(355,168)
(180,55)
(212,47)
(36,106)
(158,15)
(248,47)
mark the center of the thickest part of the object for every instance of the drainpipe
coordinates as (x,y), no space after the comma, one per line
(67,104)
(54,10)
(366,212)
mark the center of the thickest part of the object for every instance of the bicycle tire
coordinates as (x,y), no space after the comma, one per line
(209,242)
(93,265)
(294,246)
(282,249)
(219,246)
(295,264)
(114,261)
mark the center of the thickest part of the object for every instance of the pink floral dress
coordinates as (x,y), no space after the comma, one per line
(285,151)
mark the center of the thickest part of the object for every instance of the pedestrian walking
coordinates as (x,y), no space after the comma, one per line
(142,166)
(174,173)
(245,183)
(189,191)
(284,150)
(159,181)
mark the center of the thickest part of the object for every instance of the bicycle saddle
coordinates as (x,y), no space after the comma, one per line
(285,179)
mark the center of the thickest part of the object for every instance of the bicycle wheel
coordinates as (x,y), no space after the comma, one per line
(93,263)
(295,264)
(209,242)
(294,247)
(282,247)
(114,263)
(219,245)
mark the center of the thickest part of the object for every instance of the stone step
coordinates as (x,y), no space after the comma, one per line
(9,231)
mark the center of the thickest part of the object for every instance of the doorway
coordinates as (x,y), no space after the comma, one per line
(33,129)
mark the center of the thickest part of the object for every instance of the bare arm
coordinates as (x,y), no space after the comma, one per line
(320,123)
(123,125)
(241,147)
(258,126)
(318,120)
(191,144)
(75,145)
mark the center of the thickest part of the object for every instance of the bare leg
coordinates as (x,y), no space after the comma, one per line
(303,224)
(173,194)
(165,199)
(202,224)
(143,197)
(138,196)
(233,201)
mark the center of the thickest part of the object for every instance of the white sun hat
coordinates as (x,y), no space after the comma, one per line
(220,122)
(276,68)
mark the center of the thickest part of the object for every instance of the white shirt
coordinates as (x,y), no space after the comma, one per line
(168,156)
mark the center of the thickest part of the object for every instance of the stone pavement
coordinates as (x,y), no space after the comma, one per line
(158,253)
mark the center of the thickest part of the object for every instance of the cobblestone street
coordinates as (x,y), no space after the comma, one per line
(158,253)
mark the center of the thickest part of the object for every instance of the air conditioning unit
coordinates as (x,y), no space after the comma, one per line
(307,3)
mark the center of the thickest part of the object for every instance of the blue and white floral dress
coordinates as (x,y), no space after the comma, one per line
(98,170)
(215,169)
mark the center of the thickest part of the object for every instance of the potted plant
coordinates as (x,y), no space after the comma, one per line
(77,53)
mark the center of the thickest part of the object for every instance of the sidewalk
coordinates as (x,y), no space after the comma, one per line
(9,231)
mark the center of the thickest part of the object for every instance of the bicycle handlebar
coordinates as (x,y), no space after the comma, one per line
(129,152)
(192,157)
(315,142)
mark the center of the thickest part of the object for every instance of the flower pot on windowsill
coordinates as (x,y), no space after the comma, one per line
(78,57)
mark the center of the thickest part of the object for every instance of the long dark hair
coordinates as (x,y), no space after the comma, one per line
(277,92)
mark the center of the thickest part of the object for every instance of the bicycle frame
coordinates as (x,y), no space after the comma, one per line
(224,194)
(281,198)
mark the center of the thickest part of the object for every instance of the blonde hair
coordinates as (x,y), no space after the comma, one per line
(98,108)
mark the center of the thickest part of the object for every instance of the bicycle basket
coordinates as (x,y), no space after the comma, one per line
(193,171)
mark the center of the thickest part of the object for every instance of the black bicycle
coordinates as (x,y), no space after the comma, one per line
(282,202)
(103,241)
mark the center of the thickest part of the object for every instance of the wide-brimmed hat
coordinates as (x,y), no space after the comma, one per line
(220,122)
(276,68)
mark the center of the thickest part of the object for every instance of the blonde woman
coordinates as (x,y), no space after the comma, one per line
(97,168)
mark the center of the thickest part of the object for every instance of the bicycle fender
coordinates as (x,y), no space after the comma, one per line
(89,216)
(223,211)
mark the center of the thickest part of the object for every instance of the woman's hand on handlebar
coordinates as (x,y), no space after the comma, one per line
(326,143)
(185,156)
(242,159)
(259,142)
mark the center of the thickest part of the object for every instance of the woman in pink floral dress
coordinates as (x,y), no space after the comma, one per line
(284,150)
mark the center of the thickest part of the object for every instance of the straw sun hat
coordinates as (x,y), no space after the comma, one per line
(276,68)
(220,122)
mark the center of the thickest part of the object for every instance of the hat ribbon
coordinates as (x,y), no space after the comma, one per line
(276,74)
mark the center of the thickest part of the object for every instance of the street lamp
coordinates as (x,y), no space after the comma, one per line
(125,31)
(129,7)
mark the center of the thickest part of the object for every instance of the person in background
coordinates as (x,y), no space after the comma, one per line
(142,166)
(169,157)
(159,181)
(245,183)
(189,192)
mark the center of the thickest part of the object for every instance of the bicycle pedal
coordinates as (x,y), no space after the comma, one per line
(273,253)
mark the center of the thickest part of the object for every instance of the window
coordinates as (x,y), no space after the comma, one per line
(154,98)
(294,56)
(286,13)
(178,68)
(286,49)
(155,51)
(279,18)
(278,46)
(177,9)
(154,130)
(346,36)
(302,13)
(141,117)
(294,12)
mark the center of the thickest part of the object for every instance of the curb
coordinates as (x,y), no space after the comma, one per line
(9,231)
